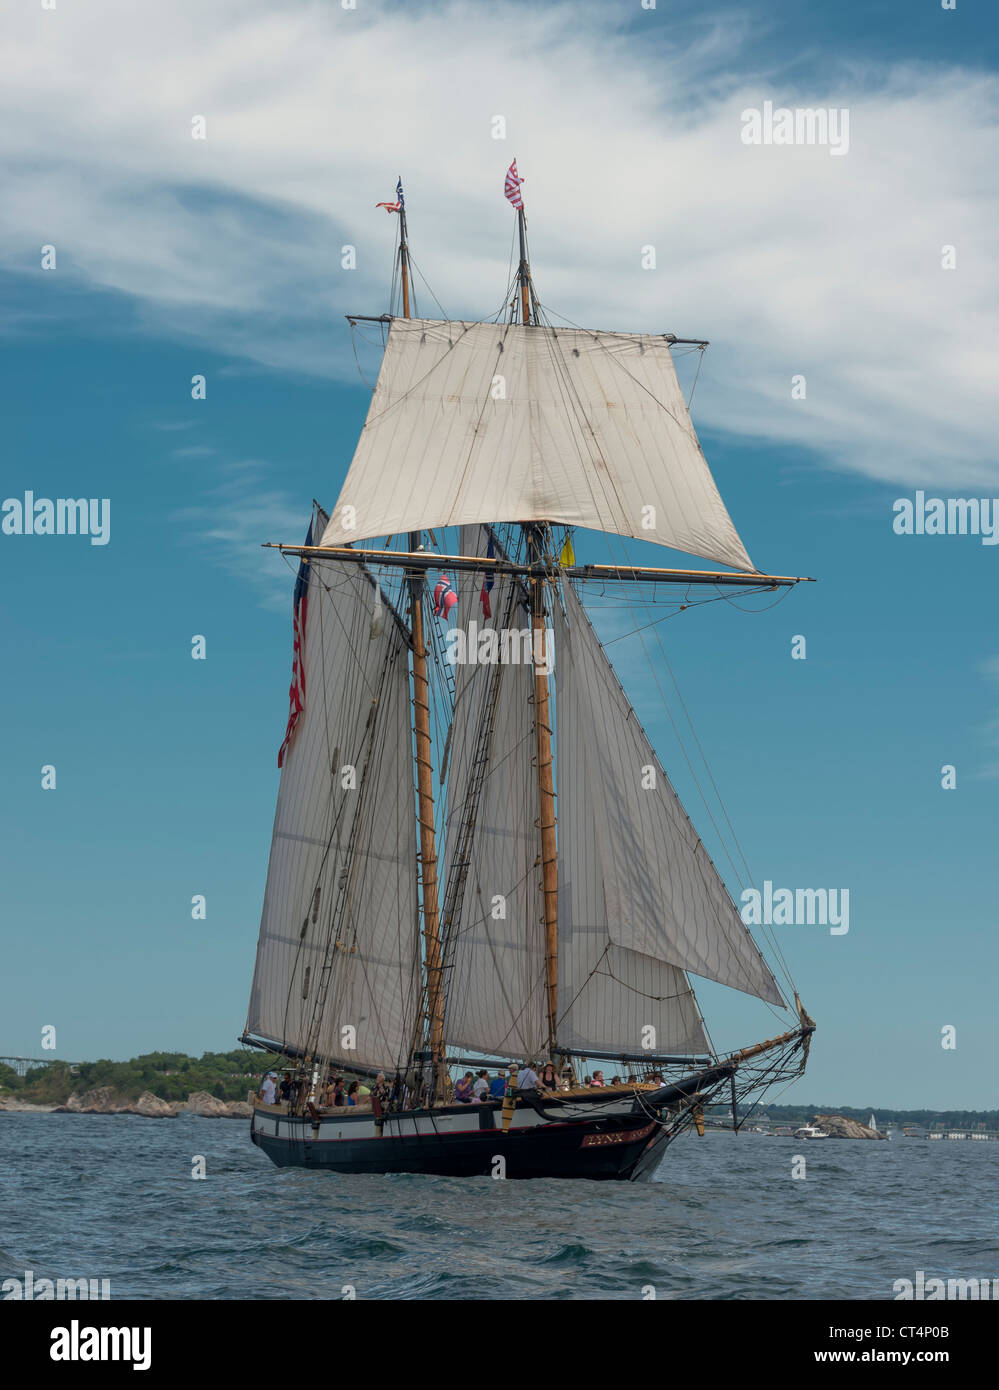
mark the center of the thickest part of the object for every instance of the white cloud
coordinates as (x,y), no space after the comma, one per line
(231,516)
(194,451)
(790,260)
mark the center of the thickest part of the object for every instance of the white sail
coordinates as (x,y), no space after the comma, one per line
(482,422)
(641,879)
(495,1001)
(608,995)
(341,883)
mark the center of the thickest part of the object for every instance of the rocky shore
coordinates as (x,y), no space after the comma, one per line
(104,1101)
(838,1127)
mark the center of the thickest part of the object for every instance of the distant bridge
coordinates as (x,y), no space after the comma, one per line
(22,1065)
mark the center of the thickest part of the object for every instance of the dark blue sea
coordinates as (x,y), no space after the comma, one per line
(112,1197)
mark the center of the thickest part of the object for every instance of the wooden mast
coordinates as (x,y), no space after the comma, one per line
(546,783)
(424,767)
(403,255)
(537,536)
(523,274)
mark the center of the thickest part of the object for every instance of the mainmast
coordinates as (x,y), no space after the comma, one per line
(424,769)
(538,542)
(403,253)
(523,272)
(537,536)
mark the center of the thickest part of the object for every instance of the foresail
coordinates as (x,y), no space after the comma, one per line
(482,422)
(495,946)
(638,879)
(341,883)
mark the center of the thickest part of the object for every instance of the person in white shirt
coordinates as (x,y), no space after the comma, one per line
(480,1091)
(527,1078)
(267,1089)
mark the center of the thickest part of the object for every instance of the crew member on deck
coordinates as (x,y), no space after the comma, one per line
(527,1078)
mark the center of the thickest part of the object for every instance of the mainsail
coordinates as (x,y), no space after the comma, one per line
(339,943)
(640,902)
(483,422)
(495,930)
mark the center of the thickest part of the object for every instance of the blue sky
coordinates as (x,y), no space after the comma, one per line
(230,266)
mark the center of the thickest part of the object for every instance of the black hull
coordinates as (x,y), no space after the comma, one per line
(622,1147)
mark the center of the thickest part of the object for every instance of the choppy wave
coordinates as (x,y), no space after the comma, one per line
(94,1197)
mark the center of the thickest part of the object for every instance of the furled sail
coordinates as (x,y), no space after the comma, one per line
(641,893)
(483,422)
(495,1000)
(340,924)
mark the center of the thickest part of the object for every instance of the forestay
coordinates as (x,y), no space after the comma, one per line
(482,422)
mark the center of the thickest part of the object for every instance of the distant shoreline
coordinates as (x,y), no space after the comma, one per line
(104,1101)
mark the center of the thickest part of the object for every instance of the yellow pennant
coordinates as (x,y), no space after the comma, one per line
(568,556)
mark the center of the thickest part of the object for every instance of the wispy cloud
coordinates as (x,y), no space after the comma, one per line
(194,451)
(241,506)
(628,132)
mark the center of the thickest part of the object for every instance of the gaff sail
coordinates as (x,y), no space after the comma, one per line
(339,934)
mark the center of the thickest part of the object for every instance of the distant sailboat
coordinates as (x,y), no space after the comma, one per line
(573,940)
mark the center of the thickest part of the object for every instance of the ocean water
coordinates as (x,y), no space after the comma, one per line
(113,1197)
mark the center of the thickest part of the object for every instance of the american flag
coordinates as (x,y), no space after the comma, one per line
(487,584)
(512,186)
(297,691)
(400,200)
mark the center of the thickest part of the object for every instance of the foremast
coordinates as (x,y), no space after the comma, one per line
(425,811)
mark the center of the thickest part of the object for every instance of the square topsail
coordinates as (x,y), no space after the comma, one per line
(481,422)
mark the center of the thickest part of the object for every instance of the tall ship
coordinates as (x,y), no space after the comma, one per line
(479,863)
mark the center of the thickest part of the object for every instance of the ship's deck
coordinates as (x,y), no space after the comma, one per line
(574,1093)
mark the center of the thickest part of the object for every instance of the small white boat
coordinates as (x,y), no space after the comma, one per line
(810,1132)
